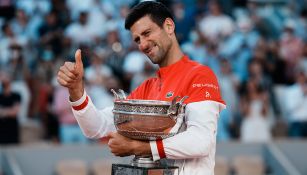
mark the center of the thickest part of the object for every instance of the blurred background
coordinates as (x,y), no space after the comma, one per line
(257,48)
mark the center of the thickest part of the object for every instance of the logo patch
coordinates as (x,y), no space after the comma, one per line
(169,94)
(208,94)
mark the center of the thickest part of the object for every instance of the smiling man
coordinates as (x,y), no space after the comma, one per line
(193,149)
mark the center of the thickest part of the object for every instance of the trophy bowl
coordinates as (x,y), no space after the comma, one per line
(143,119)
(147,119)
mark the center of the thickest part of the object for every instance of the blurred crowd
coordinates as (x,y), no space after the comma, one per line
(258,50)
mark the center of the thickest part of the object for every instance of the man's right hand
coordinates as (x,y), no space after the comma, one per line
(70,75)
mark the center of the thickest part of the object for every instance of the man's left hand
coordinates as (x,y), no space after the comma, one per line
(123,146)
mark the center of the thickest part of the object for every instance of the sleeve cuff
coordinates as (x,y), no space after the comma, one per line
(157,150)
(154,150)
(81,103)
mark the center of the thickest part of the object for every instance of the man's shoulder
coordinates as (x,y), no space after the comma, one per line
(202,85)
(196,68)
(149,81)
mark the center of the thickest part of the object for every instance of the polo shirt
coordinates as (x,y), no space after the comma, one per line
(183,78)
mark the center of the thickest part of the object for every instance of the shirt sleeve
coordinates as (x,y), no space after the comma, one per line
(94,123)
(203,86)
(201,120)
(204,104)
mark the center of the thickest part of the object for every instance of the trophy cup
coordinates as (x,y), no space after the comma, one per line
(146,120)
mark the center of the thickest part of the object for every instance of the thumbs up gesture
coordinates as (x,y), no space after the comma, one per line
(70,75)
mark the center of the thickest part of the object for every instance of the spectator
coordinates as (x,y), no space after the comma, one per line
(50,33)
(20,73)
(291,49)
(255,110)
(8,41)
(195,47)
(96,76)
(69,130)
(80,32)
(9,109)
(216,25)
(115,54)
(183,21)
(20,23)
(296,108)
(229,85)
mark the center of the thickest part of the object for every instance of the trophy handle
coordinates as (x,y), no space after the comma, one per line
(123,94)
(120,97)
(172,110)
(182,100)
(176,108)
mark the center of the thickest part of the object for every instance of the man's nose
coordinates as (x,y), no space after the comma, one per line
(144,45)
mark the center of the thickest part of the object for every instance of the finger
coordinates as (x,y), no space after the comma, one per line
(62,82)
(68,81)
(78,59)
(110,143)
(64,77)
(65,71)
(110,135)
(70,67)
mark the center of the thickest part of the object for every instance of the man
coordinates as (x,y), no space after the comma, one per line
(152,28)
(9,109)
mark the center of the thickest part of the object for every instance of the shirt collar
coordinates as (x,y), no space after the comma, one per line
(164,71)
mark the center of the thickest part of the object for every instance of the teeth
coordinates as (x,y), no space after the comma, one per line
(149,50)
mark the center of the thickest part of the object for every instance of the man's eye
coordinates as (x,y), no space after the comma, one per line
(137,41)
(147,33)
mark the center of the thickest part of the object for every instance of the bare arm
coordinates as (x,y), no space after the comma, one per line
(9,111)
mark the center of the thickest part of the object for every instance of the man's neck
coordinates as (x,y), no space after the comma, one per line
(174,55)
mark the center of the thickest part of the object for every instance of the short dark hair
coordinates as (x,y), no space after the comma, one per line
(157,11)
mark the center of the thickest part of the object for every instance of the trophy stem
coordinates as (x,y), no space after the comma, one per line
(146,162)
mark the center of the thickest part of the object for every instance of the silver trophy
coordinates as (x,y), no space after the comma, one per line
(147,120)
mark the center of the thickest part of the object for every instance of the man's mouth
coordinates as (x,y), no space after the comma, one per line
(150,51)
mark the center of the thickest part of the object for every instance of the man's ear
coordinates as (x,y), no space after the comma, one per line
(169,26)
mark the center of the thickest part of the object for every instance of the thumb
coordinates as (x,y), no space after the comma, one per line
(110,135)
(78,59)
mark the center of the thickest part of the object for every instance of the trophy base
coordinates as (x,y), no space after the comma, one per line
(126,169)
(145,162)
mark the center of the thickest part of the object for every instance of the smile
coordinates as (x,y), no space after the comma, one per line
(150,51)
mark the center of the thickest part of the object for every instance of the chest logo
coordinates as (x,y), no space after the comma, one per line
(169,94)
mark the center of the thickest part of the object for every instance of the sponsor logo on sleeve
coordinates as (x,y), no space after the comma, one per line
(200,85)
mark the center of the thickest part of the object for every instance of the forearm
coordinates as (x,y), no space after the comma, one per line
(77,92)
(141,148)
(199,138)
(193,143)
(9,112)
(93,122)
(123,146)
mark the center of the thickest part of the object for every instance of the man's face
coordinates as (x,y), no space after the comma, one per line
(151,39)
